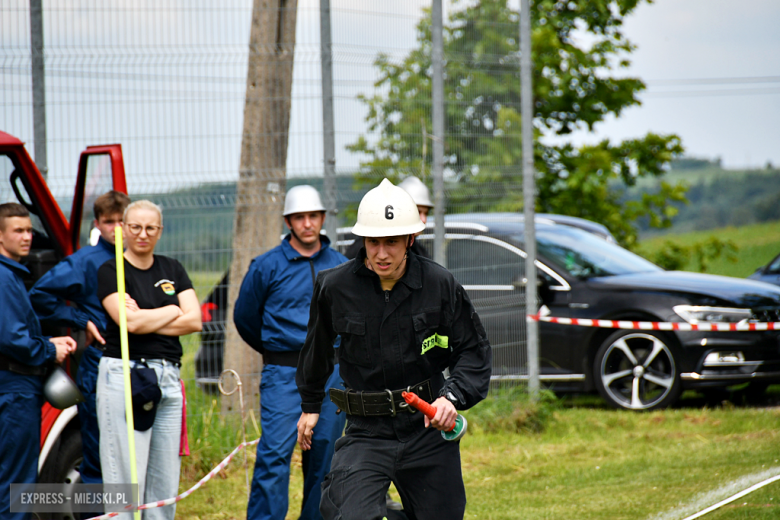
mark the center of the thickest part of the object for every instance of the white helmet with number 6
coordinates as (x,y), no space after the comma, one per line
(387,211)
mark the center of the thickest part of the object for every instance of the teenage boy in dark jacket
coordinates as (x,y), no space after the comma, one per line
(75,280)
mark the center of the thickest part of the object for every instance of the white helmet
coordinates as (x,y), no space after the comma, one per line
(387,211)
(418,190)
(302,199)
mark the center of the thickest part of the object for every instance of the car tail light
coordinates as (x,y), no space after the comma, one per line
(205,311)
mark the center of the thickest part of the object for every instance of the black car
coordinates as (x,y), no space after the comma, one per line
(769,273)
(213,311)
(208,359)
(584,275)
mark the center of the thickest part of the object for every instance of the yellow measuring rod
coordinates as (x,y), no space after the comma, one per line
(123,342)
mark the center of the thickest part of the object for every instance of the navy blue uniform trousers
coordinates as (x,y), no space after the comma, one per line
(20,442)
(90,432)
(280,409)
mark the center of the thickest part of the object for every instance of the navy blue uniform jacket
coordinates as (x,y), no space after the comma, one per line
(272,309)
(20,330)
(74,279)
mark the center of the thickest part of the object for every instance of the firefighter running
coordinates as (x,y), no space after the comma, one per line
(403,320)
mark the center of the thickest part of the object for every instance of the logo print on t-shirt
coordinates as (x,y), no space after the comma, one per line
(166,286)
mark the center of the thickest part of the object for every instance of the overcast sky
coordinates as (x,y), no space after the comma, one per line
(683,46)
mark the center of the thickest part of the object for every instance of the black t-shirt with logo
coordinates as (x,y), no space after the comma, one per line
(151,288)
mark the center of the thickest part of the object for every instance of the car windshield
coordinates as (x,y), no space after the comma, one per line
(584,255)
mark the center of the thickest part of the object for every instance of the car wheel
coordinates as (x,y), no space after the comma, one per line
(64,469)
(637,371)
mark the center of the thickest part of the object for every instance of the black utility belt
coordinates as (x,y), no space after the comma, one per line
(287,358)
(378,404)
(9,365)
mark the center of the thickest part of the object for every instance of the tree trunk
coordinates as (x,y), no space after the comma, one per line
(261,184)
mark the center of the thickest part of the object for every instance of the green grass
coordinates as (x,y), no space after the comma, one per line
(757,244)
(570,458)
(212,434)
(588,462)
(763,504)
(204,281)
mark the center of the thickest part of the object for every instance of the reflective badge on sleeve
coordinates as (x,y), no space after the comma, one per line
(434,341)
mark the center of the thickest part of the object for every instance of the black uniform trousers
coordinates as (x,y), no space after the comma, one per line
(425,470)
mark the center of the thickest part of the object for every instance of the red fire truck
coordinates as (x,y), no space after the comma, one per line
(101,168)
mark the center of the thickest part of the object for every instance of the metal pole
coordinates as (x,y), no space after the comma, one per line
(38,85)
(529,194)
(437,59)
(328,132)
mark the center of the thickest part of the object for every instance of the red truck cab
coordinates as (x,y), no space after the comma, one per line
(101,168)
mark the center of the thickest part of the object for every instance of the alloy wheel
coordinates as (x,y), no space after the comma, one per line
(637,371)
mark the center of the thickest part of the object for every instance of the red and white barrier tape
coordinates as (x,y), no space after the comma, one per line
(169,501)
(658,325)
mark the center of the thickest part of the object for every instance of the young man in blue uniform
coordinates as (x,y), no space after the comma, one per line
(271,315)
(23,354)
(75,280)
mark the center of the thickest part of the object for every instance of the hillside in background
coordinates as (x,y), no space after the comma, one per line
(718,197)
(756,245)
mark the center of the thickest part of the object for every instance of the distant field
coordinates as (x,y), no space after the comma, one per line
(757,243)
(707,174)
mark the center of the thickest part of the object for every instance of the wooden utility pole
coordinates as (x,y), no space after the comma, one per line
(261,183)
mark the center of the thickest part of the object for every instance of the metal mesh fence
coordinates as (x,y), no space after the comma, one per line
(168,80)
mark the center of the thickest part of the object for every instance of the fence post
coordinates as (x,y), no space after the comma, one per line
(328,131)
(437,59)
(38,86)
(529,194)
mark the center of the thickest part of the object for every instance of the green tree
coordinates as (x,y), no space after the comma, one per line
(574,87)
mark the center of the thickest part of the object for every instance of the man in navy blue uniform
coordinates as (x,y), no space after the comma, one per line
(23,354)
(75,280)
(271,315)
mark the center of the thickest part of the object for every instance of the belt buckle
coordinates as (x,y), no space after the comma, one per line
(404,406)
(393,411)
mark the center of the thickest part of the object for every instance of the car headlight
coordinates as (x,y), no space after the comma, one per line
(697,314)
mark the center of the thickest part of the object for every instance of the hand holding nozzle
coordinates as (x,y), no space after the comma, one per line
(453,433)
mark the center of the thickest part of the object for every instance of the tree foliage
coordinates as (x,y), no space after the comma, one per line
(577,46)
(673,256)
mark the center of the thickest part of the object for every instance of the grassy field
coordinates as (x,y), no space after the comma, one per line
(757,244)
(589,462)
(578,460)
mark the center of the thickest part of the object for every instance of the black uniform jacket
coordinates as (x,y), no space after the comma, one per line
(383,339)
